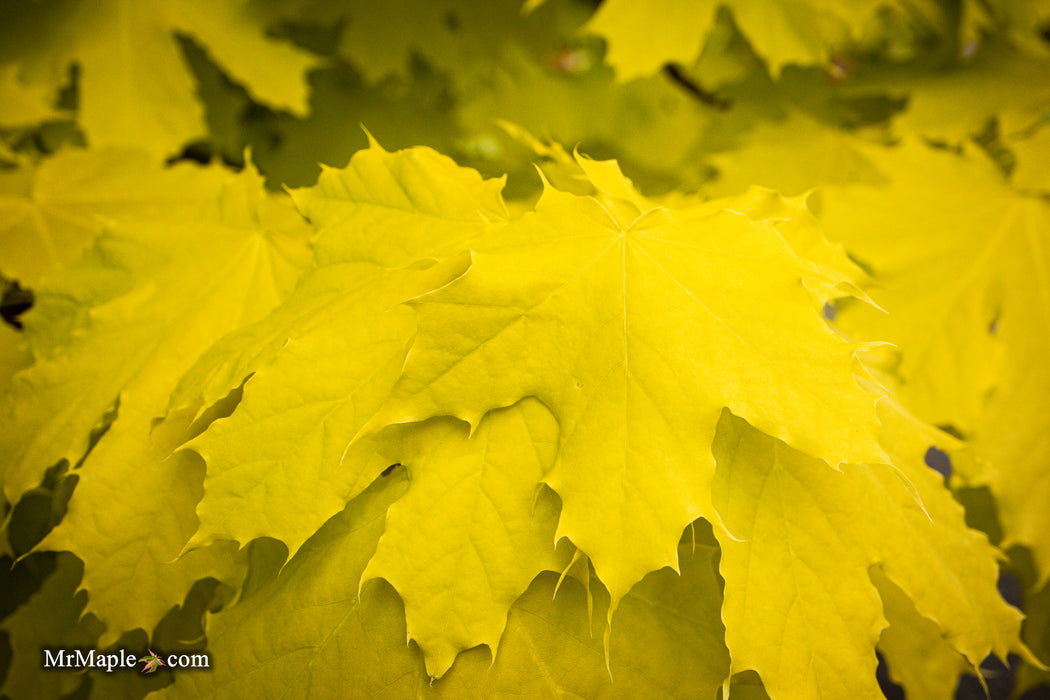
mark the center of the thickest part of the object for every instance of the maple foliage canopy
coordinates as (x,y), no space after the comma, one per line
(652,416)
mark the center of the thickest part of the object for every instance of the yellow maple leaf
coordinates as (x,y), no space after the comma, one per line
(635,326)
(962,264)
(145,300)
(135,89)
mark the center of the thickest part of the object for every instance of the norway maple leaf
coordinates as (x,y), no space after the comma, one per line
(954,105)
(666,639)
(51,212)
(471,533)
(961,260)
(800,541)
(129,517)
(134,86)
(321,364)
(636,326)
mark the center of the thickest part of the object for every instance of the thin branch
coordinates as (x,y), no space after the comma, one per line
(710,99)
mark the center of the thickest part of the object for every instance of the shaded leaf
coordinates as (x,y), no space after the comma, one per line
(134,87)
(798,543)
(137,310)
(128,519)
(471,532)
(50,619)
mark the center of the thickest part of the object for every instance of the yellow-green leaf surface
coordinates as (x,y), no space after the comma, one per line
(50,619)
(51,212)
(925,547)
(1014,432)
(954,104)
(800,608)
(129,516)
(276,467)
(1032,154)
(919,658)
(432,205)
(936,249)
(773,153)
(461,37)
(471,532)
(651,123)
(135,313)
(642,37)
(24,105)
(666,640)
(963,262)
(134,86)
(635,328)
(308,633)
(13,355)
(323,362)
(793,220)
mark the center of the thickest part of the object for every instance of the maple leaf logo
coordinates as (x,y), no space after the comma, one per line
(152,662)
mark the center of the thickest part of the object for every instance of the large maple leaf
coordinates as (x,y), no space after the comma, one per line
(130,515)
(636,326)
(471,534)
(117,329)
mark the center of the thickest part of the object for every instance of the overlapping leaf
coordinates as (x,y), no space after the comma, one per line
(472,532)
(51,212)
(666,640)
(50,619)
(772,151)
(953,104)
(796,552)
(643,37)
(136,311)
(963,263)
(936,250)
(129,517)
(322,363)
(134,88)
(911,637)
